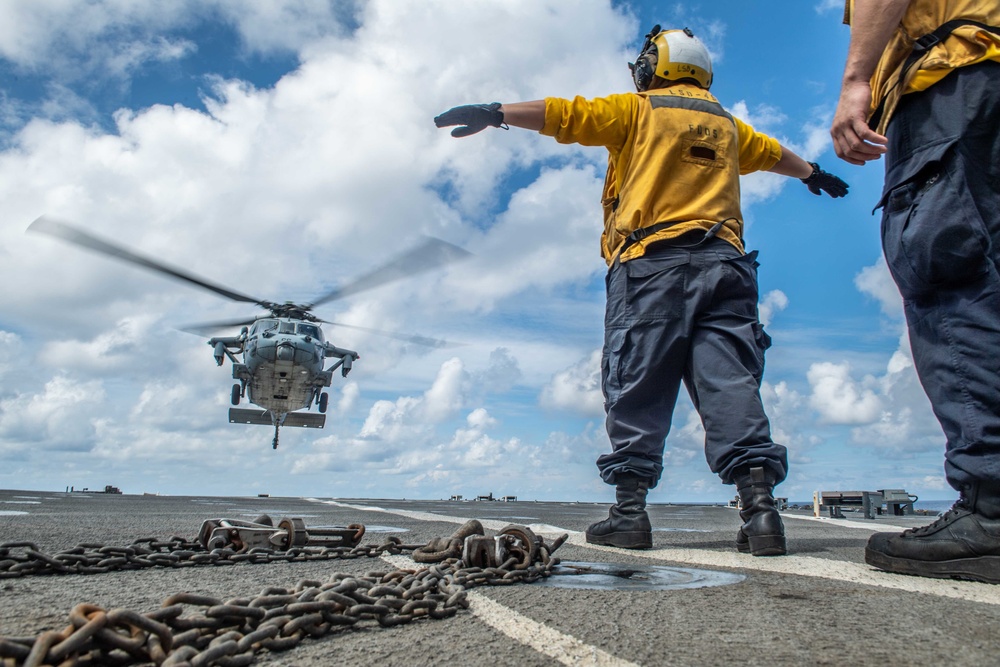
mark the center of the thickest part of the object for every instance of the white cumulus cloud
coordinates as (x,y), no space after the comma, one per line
(840,399)
(577,388)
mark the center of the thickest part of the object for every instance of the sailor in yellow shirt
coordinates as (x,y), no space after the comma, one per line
(922,87)
(681,291)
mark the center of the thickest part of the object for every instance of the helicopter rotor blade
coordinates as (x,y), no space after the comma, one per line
(432,253)
(407,338)
(61,230)
(206,328)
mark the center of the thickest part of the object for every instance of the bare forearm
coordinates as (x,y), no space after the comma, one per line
(872,24)
(792,165)
(529,115)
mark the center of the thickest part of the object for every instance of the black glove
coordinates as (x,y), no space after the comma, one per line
(472,117)
(820,181)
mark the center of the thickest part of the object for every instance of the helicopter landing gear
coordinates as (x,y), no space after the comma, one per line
(237,392)
(324,400)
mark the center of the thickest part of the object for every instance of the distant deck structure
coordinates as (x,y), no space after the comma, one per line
(895,502)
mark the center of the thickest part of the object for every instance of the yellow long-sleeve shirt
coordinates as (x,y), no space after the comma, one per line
(675,155)
(966,45)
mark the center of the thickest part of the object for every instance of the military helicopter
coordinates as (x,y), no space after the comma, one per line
(283,369)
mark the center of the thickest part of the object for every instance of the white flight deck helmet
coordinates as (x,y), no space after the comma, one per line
(672,55)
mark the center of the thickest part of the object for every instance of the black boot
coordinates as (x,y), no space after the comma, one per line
(627,525)
(964,542)
(762,533)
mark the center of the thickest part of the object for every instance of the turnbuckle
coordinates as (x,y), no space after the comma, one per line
(514,546)
(242,536)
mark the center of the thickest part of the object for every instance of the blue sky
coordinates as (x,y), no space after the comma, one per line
(282,148)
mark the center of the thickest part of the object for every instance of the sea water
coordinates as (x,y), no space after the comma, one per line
(934,506)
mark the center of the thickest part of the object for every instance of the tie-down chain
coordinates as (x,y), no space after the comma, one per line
(262,533)
(198,630)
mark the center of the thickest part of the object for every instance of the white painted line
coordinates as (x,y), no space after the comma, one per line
(809,566)
(847,523)
(563,648)
(804,566)
(422,516)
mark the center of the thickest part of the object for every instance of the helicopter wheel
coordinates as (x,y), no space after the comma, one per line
(236,394)
(324,399)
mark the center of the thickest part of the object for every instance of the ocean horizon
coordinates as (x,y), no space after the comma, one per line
(931,506)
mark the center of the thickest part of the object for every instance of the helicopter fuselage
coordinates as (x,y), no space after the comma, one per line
(284,363)
(283,367)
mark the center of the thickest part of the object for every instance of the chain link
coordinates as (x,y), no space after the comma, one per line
(202,631)
(20,559)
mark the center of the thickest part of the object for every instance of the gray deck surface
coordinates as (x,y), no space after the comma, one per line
(820,605)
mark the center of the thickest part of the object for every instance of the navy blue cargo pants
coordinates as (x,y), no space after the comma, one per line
(941,237)
(685,314)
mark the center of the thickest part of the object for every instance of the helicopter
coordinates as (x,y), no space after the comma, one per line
(284,351)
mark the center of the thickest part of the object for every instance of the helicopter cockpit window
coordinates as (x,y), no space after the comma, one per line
(286,327)
(261,326)
(309,330)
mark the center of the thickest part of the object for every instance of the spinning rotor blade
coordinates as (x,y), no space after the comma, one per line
(206,328)
(66,232)
(407,338)
(430,254)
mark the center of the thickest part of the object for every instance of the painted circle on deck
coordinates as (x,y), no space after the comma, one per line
(631,577)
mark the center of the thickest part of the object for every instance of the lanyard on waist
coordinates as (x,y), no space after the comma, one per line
(645,232)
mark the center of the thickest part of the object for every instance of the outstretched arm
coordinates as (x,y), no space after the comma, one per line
(529,115)
(472,118)
(872,24)
(792,165)
(817,180)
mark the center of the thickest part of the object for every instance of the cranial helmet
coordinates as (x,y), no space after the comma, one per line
(673,55)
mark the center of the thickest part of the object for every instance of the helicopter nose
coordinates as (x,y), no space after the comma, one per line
(286,353)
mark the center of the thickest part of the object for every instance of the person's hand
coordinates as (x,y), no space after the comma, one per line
(853,140)
(472,118)
(821,181)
